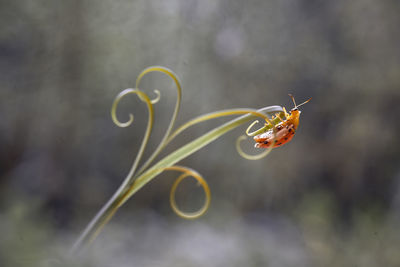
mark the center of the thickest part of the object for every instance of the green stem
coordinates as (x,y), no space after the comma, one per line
(117,200)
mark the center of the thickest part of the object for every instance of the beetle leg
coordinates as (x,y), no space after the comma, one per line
(279,117)
(286,114)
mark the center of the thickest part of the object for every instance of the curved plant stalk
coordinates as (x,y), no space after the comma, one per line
(195,145)
(93,228)
(178,85)
(135,180)
(146,137)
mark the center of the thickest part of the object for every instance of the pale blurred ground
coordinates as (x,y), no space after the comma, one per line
(331,197)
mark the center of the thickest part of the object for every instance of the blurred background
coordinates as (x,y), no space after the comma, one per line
(331,197)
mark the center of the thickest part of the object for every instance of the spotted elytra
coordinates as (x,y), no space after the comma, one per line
(283,132)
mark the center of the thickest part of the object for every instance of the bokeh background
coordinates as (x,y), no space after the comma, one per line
(331,197)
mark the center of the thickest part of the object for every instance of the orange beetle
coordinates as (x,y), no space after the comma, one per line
(284,131)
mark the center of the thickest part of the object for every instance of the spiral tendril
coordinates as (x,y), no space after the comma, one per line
(256,131)
(248,156)
(114,109)
(178,85)
(187,172)
(142,96)
(158,97)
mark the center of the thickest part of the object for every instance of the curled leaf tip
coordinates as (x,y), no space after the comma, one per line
(200,181)
(118,98)
(246,155)
(123,124)
(158,97)
(114,109)
(262,129)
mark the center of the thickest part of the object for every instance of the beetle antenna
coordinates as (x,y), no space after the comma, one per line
(304,102)
(294,102)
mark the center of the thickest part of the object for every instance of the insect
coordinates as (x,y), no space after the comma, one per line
(283,132)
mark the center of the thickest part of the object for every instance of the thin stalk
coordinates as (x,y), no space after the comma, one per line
(108,211)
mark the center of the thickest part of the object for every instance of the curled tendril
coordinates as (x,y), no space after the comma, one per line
(268,126)
(114,110)
(248,156)
(118,98)
(145,99)
(178,85)
(158,97)
(255,132)
(187,172)
(150,103)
